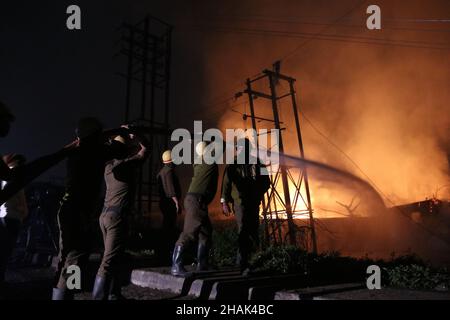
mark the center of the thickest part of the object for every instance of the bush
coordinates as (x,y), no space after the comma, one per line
(415,276)
(406,271)
(223,253)
(322,268)
(280,259)
(406,259)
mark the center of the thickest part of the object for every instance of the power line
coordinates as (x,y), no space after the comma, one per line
(335,37)
(419,20)
(309,38)
(311,18)
(290,54)
(246,19)
(344,18)
(305,42)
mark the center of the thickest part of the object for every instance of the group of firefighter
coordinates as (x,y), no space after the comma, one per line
(243,187)
(115,156)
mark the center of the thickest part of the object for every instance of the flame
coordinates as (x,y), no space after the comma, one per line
(324,204)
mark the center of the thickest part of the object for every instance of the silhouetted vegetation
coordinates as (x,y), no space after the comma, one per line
(405,271)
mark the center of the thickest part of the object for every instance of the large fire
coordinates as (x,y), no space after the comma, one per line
(385,107)
(326,203)
(380,112)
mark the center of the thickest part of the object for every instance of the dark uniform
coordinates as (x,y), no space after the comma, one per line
(15,180)
(244,186)
(197,225)
(201,192)
(120,178)
(169,187)
(76,215)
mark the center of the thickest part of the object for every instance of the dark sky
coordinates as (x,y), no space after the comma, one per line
(50,76)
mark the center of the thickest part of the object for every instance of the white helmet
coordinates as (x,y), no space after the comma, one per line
(200,148)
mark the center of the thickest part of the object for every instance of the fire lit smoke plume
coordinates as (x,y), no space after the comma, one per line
(386,106)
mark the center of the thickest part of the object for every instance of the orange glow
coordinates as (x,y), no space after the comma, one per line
(324,205)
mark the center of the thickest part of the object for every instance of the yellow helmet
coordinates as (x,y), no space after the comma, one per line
(167,156)
(120,139)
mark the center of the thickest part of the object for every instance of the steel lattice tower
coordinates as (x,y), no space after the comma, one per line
(146,47)
(280,207)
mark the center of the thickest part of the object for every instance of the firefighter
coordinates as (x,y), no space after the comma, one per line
(243,186)
(197,225)
(169,202)
(120,186)
(80,203)
(12,214)
(18,178)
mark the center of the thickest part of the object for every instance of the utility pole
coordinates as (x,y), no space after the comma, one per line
(284,176)
(146,45)
(305,173)
(277,208)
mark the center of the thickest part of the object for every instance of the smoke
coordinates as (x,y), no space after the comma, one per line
(384,106)
(396,116)
(362,199)
(370,228)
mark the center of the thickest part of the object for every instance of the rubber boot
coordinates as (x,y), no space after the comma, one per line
(116,290)
(202,257)
(101,288)
(177,262)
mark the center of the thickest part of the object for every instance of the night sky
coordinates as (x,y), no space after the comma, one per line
(51,76)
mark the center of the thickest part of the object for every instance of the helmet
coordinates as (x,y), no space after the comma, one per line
(120,139)
(200,148)
(167,156)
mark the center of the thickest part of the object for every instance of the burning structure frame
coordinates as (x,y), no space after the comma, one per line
(279,207)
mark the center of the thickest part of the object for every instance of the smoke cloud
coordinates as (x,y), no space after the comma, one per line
(386,105)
